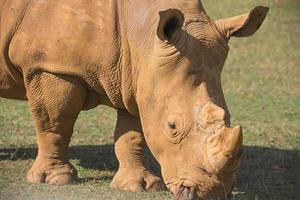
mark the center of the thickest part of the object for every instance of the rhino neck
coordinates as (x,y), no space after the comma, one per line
(136,19)
(138,27)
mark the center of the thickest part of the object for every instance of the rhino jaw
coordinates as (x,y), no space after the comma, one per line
(224,149)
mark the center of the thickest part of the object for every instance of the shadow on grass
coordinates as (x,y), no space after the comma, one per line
(265,173)
(96,157)
(100,157)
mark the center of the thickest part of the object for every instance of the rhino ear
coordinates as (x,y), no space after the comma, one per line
(242,25)
(170,21)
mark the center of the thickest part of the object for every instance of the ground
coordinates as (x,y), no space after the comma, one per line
(263,95)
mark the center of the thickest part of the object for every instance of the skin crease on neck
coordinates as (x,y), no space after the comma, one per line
(159,63)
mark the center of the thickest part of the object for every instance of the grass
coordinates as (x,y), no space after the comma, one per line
(262,87)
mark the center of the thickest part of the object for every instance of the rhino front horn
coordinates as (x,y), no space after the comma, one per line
(224,150)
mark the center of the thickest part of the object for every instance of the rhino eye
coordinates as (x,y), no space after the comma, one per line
(175,124)
(172,125)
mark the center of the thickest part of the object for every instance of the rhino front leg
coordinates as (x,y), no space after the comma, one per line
(133,174)
(55,102)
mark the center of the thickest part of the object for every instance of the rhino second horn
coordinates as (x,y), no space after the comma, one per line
(224,150)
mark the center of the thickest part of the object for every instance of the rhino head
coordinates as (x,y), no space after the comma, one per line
(183,111)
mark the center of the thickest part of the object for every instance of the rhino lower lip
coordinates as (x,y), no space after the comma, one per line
(186,193)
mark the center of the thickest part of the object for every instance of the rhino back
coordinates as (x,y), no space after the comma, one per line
(73,38)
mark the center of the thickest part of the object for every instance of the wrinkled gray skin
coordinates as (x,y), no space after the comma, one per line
(158,62)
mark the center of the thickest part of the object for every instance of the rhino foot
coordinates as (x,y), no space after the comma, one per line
(52,172)
(136,181)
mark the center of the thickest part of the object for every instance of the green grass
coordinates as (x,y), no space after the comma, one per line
(261,82)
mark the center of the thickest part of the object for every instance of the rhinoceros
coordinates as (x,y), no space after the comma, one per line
(158,63)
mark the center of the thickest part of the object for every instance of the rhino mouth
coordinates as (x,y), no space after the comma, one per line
(190,190)
(190,193)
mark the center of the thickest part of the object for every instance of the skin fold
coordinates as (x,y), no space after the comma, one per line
(158,63)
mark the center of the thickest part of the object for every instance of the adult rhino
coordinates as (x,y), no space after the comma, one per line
(158,63)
